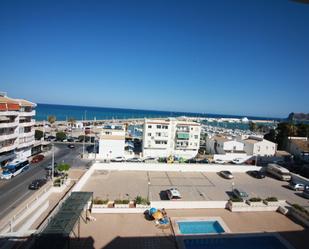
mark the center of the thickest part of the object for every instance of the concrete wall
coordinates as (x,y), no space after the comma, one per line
(188,204)
(231,156)
(173,167)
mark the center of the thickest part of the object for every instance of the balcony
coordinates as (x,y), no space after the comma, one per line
(26,134)
(25,144)
(8,124)
(25,124)
(8,136)
(27,114)
(7,148)
(182,136)
(9,113)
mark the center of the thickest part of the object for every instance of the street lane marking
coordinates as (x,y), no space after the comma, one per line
(12,204)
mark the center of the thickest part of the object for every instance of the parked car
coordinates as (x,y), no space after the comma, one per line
(306,192)
(71,146)
(37,158)
(226,174)
(173,194)
(220,161)
(202,161)
(296,186)
(240,193)
(36,184)
(238,161)
(192,160)
(134,160)
(150,159)
(256,174)
(118,159)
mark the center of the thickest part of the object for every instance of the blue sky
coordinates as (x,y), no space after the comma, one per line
(227,57)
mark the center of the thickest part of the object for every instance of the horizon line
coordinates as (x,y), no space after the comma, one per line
(134,109)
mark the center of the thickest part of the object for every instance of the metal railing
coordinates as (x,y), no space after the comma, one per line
(13,221)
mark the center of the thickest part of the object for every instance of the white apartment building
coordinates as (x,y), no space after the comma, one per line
(112,142)
(171,137)
(16,128)
(259,146)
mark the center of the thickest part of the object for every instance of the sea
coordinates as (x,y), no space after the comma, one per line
(64,112)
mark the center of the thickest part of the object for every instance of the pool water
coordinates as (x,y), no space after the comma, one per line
(199,227)
(251,242)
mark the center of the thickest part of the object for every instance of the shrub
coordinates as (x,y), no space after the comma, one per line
(121,201)
(141,200)
(162,160)
(63,167)
(255,199)
(60,136)
(99,201)
(272,198)
(300,208)
(57,182)
(82,137)
(236,199)
(38,134)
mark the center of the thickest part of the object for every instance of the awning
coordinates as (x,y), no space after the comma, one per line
(56,234)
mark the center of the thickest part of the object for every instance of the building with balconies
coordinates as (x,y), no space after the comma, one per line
(171,137)
(16,128)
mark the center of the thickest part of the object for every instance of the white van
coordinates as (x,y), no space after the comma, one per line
(279,172)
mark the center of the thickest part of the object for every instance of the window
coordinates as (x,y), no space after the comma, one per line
(149,134)
(160,142)
(149,126)
(191,128)
(158,126)
(196,136)
(164,127)
(158,134)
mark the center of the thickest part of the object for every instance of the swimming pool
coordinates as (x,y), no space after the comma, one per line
(249,242)
(200,227)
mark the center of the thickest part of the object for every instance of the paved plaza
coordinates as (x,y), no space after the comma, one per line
(194,186)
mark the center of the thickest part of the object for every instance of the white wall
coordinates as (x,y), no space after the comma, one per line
(231,156)
(109,149)
(173,167)
(233,145)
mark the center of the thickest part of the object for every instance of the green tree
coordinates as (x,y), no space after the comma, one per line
(302,130)
(271,136)
(82,137)
(63,167)
(285,130)
(38,134)
(51,119)
(60,136)
(71,121)
(252,126)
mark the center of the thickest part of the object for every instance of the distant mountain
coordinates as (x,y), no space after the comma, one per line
(298,117)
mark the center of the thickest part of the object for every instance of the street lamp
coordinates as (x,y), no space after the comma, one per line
(148,190)
(53,161)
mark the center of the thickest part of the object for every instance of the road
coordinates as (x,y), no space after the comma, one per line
(15,191)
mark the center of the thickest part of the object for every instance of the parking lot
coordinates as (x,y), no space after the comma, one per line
(193,186)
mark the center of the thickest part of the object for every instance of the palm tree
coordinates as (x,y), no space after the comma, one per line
(51,119)
(71,121)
